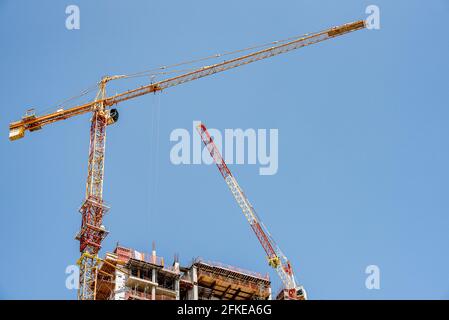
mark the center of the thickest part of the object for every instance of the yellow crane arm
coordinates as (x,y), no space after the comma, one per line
(32,122)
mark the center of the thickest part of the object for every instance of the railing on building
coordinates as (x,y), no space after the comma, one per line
(139,295)
(232,268)
(125,254)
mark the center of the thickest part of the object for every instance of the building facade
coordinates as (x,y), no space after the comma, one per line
(127,274)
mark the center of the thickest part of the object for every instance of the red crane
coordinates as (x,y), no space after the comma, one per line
(276,259)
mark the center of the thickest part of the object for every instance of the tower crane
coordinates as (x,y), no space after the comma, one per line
(92,231)
(276,259)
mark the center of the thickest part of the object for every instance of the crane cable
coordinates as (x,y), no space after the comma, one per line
(153,175)
(157,71)
(213,56)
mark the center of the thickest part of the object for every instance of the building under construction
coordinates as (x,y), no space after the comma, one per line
(127,274)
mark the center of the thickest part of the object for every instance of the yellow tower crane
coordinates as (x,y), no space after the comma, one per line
(92,231)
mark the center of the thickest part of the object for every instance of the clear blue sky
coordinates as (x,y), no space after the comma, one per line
(363,141)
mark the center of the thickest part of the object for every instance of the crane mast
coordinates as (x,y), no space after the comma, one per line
(276,259)
(92,231)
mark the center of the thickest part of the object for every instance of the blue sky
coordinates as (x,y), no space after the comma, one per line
(363,142)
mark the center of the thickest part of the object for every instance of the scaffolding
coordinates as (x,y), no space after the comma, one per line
(217,281)
(127,274)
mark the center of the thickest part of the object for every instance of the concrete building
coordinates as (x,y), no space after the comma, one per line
(127,274)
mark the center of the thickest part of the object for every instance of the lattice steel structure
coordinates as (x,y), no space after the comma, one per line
(276,259)
(92,231)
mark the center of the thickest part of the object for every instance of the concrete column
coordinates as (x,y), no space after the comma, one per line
(177,289)
(153,288)
(119,289)
(195,283)
(176,269)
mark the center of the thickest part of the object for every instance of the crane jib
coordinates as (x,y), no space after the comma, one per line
(32,122)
